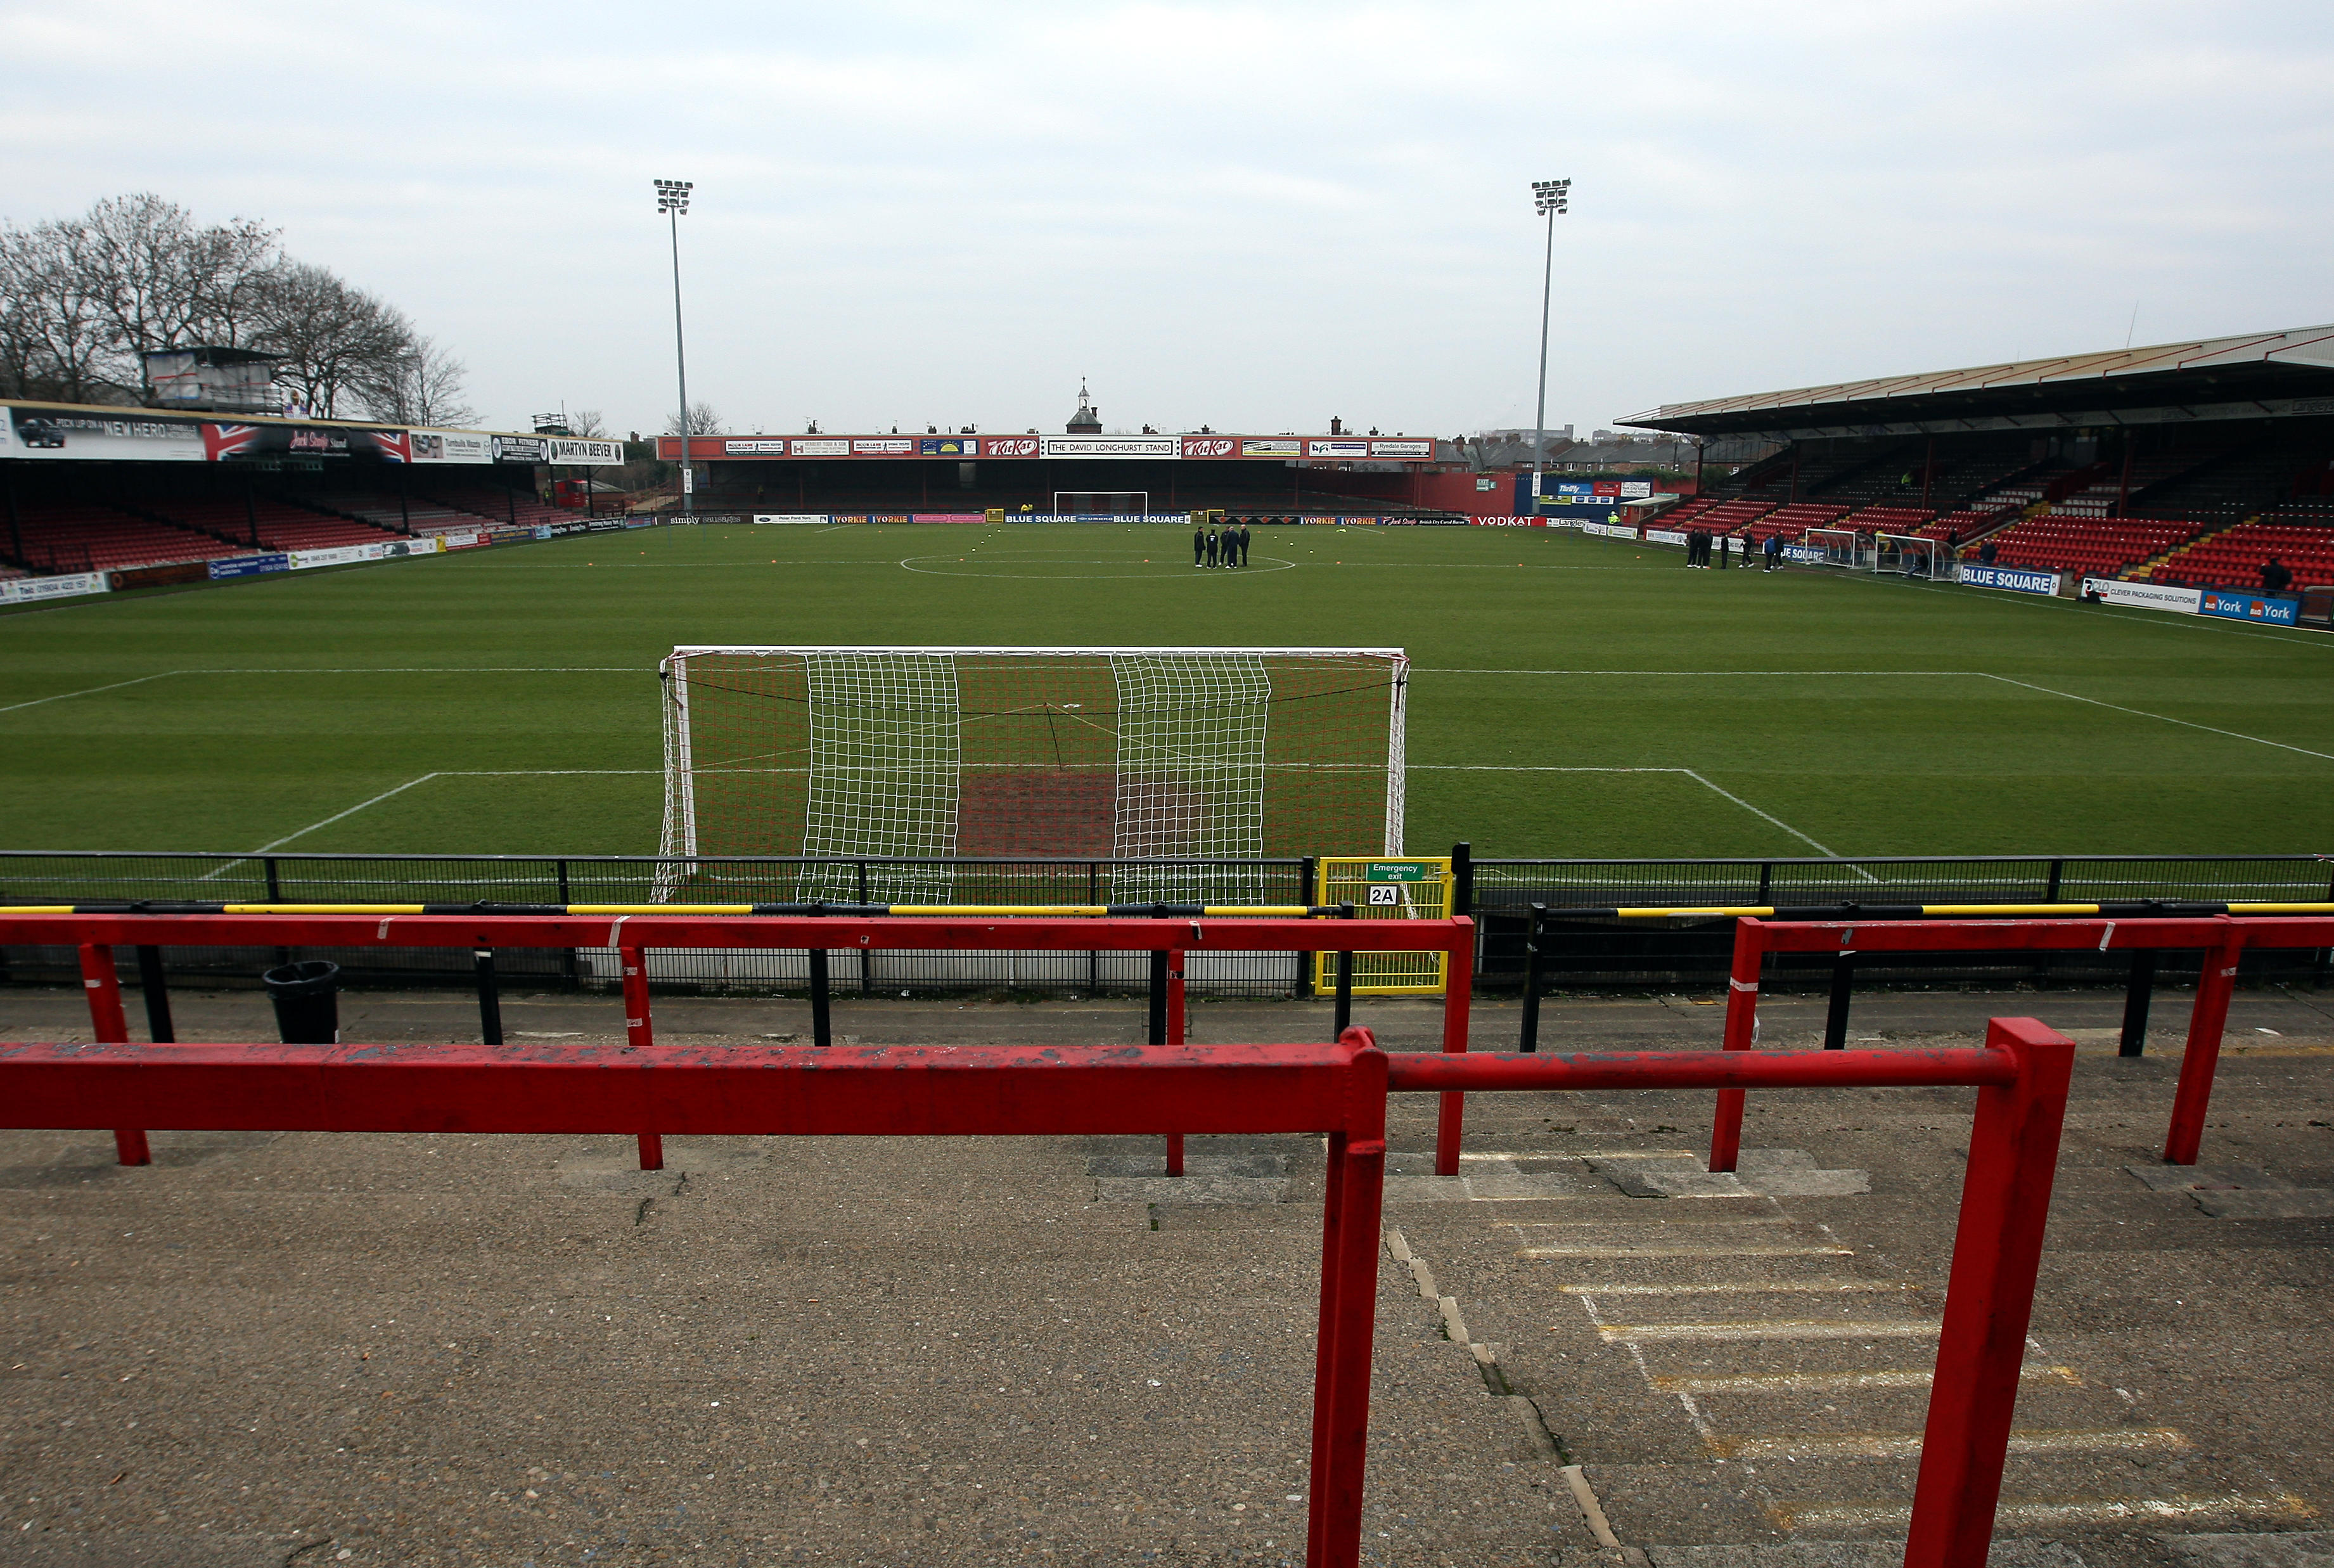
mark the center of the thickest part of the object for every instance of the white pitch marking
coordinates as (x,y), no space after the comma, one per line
(89,692)
(1773,1329)
(2163,718)
(426,777)
(1688,772)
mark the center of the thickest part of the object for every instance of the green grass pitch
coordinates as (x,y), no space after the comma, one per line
(1571,696)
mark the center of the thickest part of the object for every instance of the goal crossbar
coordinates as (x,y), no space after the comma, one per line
(1150,758)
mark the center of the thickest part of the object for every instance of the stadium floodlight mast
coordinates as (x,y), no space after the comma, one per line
(672,200)
(1550,197)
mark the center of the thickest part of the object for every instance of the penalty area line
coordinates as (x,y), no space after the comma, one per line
(426,777)
(1687,772)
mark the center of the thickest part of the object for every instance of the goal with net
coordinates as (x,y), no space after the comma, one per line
(1154,758)
(1102,503)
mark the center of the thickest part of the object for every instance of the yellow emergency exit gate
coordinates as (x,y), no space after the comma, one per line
(1387,890)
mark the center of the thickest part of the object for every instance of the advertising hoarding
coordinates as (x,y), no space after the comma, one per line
(754,447)
(2139,595)
(883,447)
(249,566)
(1111,447)
(2015,579)
(1279,447)
(27,590)
(580,452)
(948,446)
(1336,449)
(1012,446)
(129,437)
(520,449)
(1402,449)
(2235,605)
(819,447)
(451,447)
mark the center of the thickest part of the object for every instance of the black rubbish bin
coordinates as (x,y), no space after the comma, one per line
(307,1001)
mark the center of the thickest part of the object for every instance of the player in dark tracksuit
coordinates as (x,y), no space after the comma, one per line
(1243,533)
(1198,545)
(1212,547)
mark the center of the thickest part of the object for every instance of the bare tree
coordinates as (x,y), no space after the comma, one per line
(336,338)
(162,282)
(586,423)
(420,384)
(702,422)
(83,299)
(55,339)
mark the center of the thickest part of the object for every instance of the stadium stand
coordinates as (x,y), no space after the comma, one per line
(2103,546)
(2233,557)
(80,537)
(413,516)
(280,525)
(1910,520)
(1792,521)
(496,509)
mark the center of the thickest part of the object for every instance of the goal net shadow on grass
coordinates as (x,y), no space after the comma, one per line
(902,760)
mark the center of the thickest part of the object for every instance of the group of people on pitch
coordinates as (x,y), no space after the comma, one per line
(1224,546)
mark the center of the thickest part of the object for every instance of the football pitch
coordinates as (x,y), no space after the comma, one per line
(1570,696)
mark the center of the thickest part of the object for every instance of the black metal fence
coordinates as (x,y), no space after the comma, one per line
(1581,951)
(69,877)
(1597,952)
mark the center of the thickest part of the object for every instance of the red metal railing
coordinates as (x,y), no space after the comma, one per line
(2222,937)
(1341,1088)
(633,936)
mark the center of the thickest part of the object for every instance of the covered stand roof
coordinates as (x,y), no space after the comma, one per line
(2257,375)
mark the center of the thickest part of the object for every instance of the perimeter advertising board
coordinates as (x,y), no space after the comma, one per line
(2139,595)
(2234,606)
(27,590)
(2015,579)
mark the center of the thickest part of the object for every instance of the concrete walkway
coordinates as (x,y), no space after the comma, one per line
(271,1349)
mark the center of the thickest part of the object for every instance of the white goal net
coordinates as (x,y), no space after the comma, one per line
(1102,503)
(903,760)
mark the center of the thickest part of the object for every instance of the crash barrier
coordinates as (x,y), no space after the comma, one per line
(2223,939)
(633,936)
(1339,1089)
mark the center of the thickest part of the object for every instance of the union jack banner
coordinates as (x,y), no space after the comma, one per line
(221,441)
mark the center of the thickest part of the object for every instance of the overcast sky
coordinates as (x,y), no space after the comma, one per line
(1250,216)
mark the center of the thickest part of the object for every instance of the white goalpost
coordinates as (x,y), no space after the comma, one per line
(1102,503)
(903,760)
